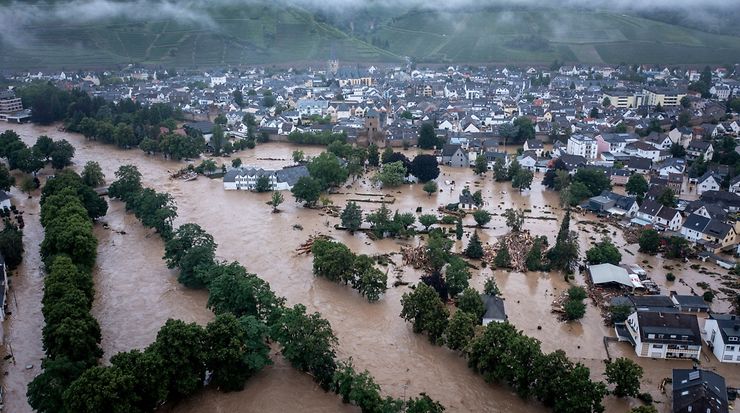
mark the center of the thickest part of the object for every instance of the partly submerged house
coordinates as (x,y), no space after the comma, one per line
(245,178)
(722,334)
(495,311)
(699,391)
(658,334)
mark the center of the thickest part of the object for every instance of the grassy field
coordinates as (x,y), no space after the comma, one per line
(265,35)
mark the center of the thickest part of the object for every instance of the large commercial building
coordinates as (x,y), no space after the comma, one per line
(662,97)
(9,103)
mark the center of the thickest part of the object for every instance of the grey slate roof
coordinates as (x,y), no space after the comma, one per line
(729,326)
(696,222)
(292,174)
(494,308)
(699,391)
(717,229)
(450,149)
(684,327)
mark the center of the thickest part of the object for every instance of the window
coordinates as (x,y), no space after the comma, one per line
(729,348)
(651,335)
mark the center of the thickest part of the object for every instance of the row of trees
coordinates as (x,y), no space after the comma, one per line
(175,146)
(337,263)
(155,210)
(50,104)
(31,160)
(500,353)
(71,336)
(306,339)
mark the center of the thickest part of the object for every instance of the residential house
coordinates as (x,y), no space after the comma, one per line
(613,203)
(454,155)
(659,140)
(311,107)
(534,145)
(466,200)
(699,391)
(663,335)
(735,185)
(645,150)
(639,165)
(698,149)
(727,200)
(528,161)
(681,135)
(718,236)
(722,334)
(495,311)
(708,182)
(573,162)
(672,181)
(662,217)
(693,228)
(670,166)
(620,177)
(492,157)
(644,303)
(689,303)
(669,218)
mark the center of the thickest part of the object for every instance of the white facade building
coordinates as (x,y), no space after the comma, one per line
(722,334)
(584,146)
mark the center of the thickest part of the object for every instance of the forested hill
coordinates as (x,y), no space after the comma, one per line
(195,34)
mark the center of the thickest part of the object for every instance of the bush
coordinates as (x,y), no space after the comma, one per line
(448,220)
(670,277)
(577,293)
(708,296)
(646,398)
(574,310)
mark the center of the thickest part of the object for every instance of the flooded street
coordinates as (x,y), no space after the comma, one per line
(136,293)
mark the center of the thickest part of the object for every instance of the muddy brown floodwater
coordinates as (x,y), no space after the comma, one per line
(136,293)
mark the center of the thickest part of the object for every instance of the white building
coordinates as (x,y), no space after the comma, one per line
(722,334)
(584,146)
(662,334)
(245,178)
(708,182)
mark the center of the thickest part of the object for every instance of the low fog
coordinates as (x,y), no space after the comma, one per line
(15,16)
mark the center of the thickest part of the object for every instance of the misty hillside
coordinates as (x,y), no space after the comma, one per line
(233,32)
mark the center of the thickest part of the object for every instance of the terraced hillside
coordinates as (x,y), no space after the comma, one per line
(227,35)
(542,36)
(264,34)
